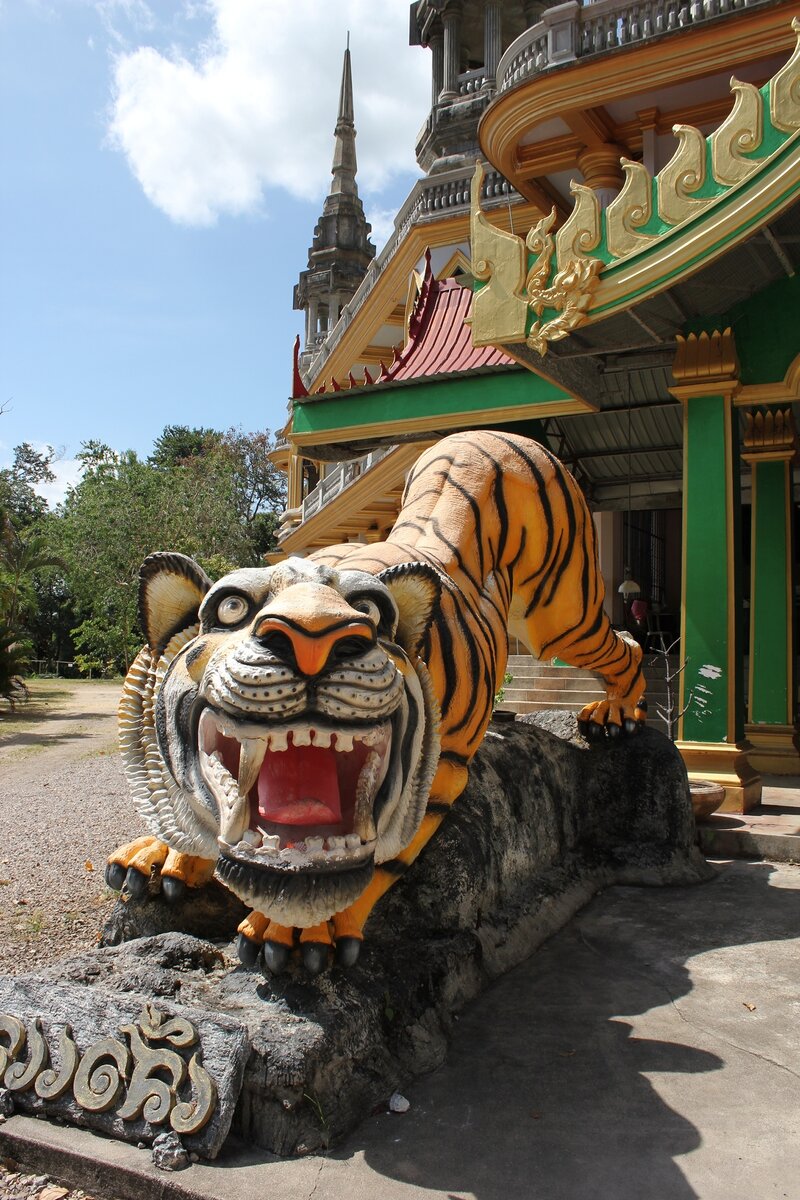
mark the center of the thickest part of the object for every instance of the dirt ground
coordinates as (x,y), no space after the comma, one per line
(64,806)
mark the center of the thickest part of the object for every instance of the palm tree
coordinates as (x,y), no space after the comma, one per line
(21,557)
(13,661)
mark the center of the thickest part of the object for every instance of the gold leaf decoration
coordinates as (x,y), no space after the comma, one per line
(684,174)
(51,1083)
(581,232)
(137,1079)
(540,243)
(148,1095)
(742,132)
(189,1116)
(14,1030)
(631,209)
(19,1075)
(570,294)
(499,310)
(99,1082)
(784,90)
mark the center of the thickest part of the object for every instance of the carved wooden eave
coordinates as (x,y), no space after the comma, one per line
(715,192)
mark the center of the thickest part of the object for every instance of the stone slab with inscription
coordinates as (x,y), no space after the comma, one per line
(127,1065)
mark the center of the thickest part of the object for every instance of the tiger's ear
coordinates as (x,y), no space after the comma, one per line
(171,589)
(416,589)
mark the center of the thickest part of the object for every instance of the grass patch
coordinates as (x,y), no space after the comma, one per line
(45,696)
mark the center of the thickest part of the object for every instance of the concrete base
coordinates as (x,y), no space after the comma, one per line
(776,749)
(726,765)
(651,1049)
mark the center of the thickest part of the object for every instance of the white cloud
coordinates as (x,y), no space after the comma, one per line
(382,222)
(67,472)
(254,106)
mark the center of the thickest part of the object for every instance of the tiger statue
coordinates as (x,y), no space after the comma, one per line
(301,730)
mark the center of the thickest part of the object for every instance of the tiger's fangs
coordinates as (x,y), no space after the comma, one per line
(269,819)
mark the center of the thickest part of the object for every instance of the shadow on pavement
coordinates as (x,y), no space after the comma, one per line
(545,1093)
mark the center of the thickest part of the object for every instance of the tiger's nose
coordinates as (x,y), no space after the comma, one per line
(310,652)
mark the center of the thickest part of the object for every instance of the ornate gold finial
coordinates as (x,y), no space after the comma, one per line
(684,174)
(582,230)
(707,358)
(769,433)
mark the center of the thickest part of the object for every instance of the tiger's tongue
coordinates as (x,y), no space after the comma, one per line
(299,786)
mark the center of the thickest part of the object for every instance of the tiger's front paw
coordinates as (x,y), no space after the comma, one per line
(610,718)
(133,865)
(262,940)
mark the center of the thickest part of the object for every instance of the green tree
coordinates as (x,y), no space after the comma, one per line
(24,557)
(18,498)
(218,505)
(176,444)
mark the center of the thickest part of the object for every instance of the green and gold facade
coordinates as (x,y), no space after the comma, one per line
(736,374)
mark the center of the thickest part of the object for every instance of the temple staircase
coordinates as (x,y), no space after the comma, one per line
(538,685)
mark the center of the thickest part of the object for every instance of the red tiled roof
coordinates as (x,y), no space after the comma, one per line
(439,342)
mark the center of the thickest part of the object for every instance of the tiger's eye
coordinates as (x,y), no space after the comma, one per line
(369,608)
(231,610)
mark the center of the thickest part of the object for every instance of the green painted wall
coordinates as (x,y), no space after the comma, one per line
(707,640)
(385,405)
(769,653)
(766,328)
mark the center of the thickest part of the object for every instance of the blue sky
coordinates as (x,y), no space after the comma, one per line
(163,168)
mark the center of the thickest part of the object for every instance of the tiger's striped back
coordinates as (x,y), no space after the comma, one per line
(506,527)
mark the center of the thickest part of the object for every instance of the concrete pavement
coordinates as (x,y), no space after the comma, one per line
(649,1051)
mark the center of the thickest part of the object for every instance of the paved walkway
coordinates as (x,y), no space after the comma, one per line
(650,1051)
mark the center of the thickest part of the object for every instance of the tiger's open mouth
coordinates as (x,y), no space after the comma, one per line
(297,796)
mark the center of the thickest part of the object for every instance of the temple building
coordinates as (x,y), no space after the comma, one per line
(602,254)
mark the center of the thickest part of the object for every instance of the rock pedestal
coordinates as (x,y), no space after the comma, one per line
(546,820)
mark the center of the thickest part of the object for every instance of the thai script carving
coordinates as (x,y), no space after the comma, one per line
(135,1073)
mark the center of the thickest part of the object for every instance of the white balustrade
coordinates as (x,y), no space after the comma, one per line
(335,483)
(599,27)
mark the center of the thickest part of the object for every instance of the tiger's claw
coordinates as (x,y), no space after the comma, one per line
(347,951)
(276,957)
(137,884)
(257,935)
(315,957)
(248,951)
(610,718)
(172,889)
(115,876)
(133,865)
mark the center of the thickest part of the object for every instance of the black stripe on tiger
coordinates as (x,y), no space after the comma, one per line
(395,866)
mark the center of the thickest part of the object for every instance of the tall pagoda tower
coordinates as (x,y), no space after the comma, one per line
(341,250)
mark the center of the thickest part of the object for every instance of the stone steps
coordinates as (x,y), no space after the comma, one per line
(537,686)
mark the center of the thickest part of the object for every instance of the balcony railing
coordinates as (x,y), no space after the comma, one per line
(328,489)
(470,82)
(571,31)
(431,197)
